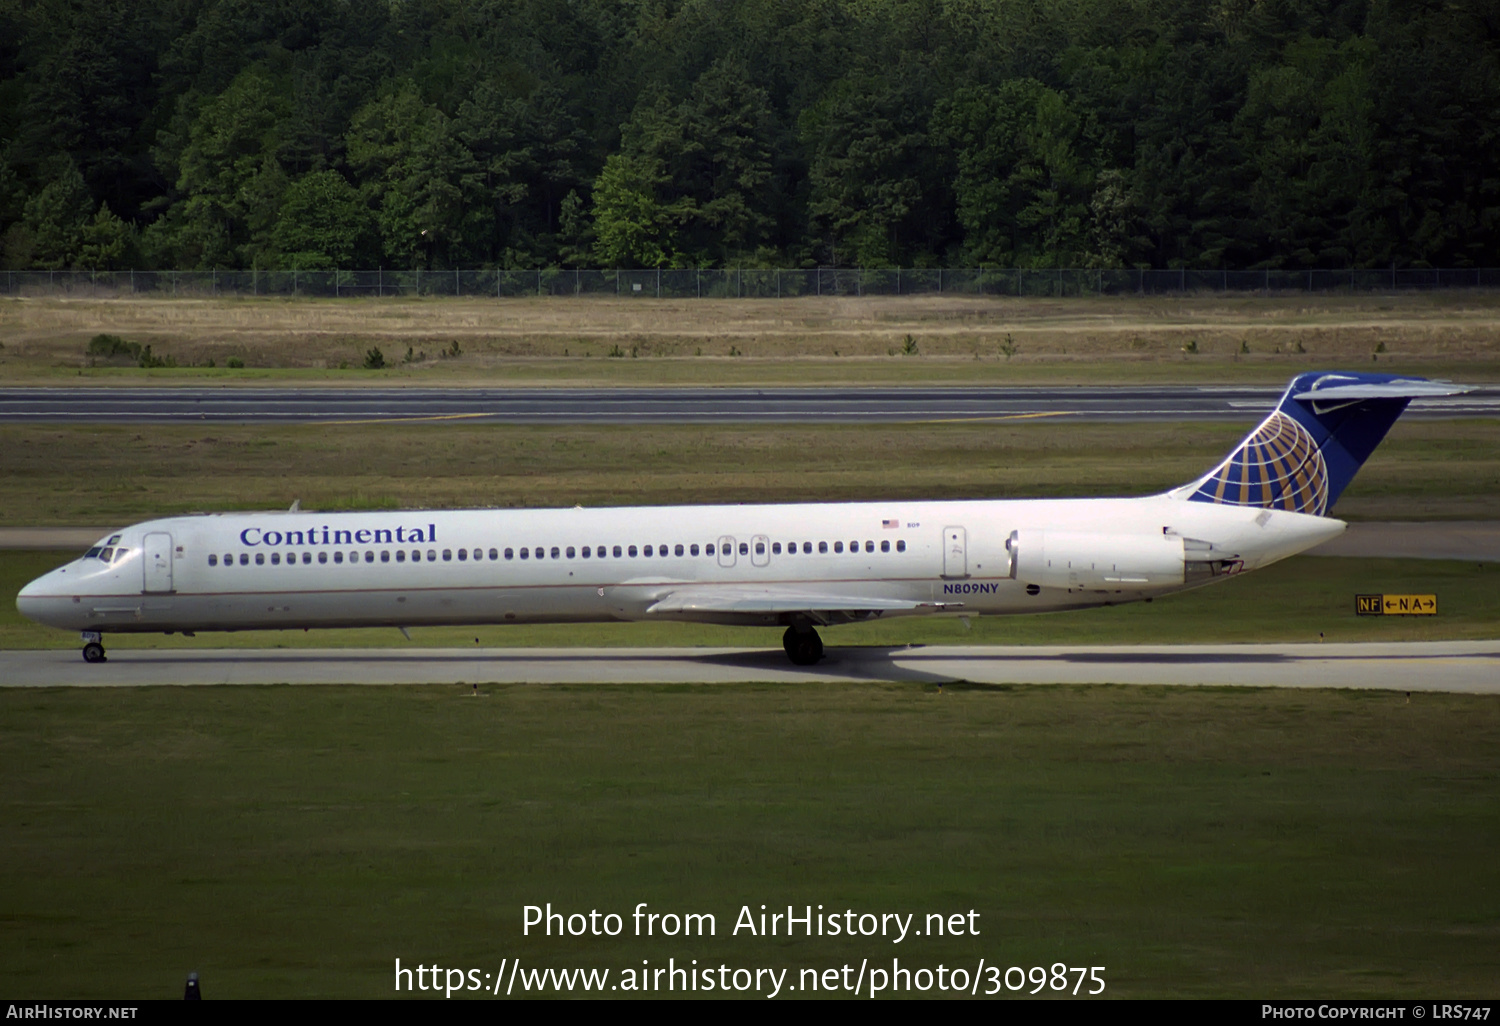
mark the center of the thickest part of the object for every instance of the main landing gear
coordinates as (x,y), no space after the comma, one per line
(93,648)
(803,646)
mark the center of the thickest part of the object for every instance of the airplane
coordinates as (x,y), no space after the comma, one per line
(803,566)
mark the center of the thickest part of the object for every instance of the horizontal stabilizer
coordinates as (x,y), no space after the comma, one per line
(777,600)
(1398,388)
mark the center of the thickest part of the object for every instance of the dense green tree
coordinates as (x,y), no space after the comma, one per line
(55,218)
(323,223)
(1153,133)
(877,193)
(632,226)
(412,167)
(1023,189)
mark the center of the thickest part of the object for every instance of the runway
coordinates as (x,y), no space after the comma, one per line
(698,405)
(1451,666)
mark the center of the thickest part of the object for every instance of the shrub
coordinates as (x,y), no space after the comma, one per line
(374,359)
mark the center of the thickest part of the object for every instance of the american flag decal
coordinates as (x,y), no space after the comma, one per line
(890,523)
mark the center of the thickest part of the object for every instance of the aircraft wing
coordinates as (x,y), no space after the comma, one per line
(729,599)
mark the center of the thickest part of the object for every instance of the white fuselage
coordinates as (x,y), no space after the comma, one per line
(246,571)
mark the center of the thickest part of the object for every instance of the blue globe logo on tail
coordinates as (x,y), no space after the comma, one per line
(1277,467)
(1303,456)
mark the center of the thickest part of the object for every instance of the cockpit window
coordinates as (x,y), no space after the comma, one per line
(91,553)
(107,555)
(114,539)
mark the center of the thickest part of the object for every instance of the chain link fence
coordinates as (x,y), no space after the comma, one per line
(731,284)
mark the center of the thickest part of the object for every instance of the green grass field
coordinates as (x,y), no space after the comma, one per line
(104,474)
(292,842)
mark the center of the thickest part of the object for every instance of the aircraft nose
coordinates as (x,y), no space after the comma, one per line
(31,601)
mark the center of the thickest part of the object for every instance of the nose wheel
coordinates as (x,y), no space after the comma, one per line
(93,650)
(804,647)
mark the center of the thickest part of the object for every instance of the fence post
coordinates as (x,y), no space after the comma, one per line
(658,283)
(215,286)
(1182,271)
(898,281)
(458,288)
(698,276)
(778,283)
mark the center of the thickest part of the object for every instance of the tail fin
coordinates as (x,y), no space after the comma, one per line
(1303,456)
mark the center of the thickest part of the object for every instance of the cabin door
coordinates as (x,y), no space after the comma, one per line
(760,550)
(157,563)
(726,551)
(955,552)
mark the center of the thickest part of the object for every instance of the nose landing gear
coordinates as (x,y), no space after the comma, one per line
(93,649)
(803,647)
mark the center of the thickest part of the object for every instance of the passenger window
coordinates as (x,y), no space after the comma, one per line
(354,557)
(708,550)
(838,546)
(822,547)
(556,552)
(275,559)
(570,552)
(525,552)
(244,559)
(744,548)
(338,557)
(401,555)
(885,546)
(213,560)
(854,546)
(416,555)
(869,546)
(323,557)
(494,555)
(661,550)
(776,548)
(693,549)
(617,552)
(631,550)
(510,553)
(369,557)
(645,551)
(260,559)
(585,552)
(901,546)
(463,555)
(447,555)
(760,548)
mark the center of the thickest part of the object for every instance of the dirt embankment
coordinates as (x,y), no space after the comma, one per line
(479,333)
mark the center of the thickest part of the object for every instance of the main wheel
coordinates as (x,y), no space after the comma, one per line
(803,648)
(93,652)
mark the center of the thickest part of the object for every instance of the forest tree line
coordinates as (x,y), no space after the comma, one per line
(772,133)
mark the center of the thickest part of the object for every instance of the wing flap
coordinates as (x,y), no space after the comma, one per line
(776,600)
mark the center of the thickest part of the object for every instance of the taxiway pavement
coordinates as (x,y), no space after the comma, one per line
(687,405)
(1452,666)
